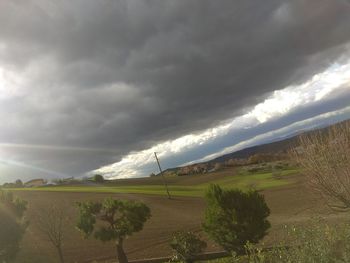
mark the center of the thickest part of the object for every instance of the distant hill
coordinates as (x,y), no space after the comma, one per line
(276,147)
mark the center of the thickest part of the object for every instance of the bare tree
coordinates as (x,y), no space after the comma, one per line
(324,157)
(51,222)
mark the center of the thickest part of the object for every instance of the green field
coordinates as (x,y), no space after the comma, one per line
(241,179)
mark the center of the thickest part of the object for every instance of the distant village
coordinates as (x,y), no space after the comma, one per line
(209,167)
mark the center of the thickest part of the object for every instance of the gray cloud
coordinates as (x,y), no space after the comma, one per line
(124,75)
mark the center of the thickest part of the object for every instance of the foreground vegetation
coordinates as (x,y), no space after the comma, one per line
(233,217)
(119,218)
(319,242)
(12,225)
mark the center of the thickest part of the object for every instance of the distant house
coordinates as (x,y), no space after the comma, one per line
(193,169)
(186,170)
(35,183)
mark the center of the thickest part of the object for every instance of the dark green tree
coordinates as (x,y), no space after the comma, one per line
(19,183)
(120,219)
(233,217)
(12,225)
(186,246)
(98,178)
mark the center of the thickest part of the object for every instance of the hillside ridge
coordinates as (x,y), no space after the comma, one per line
(273,147)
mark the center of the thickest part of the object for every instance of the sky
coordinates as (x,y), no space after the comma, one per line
(97,86)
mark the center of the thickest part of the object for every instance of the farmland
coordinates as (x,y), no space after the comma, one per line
(285,192)
(191,186)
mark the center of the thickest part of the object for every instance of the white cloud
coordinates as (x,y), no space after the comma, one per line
(274,134)
(321,85)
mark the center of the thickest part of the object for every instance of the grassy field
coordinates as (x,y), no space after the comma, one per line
(228,178)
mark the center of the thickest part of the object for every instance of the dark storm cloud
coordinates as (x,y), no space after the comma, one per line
(124,75)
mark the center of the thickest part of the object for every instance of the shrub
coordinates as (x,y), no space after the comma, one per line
(186,246)
(51,220)
(317,243)
(325,161)
(19,183)
(12,225)
(233,217)
(98,178)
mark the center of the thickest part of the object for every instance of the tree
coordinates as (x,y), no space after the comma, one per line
(121,218)
(324,157)
(186,246)
(19,183)
(51,222)
(98,178)
(234,217)
(12,226)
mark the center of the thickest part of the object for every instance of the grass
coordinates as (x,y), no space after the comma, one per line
(258,180)
(243,180)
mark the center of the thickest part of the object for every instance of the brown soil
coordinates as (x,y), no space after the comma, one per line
(289,205)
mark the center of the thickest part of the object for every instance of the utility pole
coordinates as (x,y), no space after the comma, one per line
(161,173)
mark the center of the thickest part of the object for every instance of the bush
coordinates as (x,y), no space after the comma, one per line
(324,157)
(98,178)
(317,243)
(19,183)
(12,226)
(186,246)
(233,217)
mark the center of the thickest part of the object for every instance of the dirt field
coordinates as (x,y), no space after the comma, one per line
(289,205)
